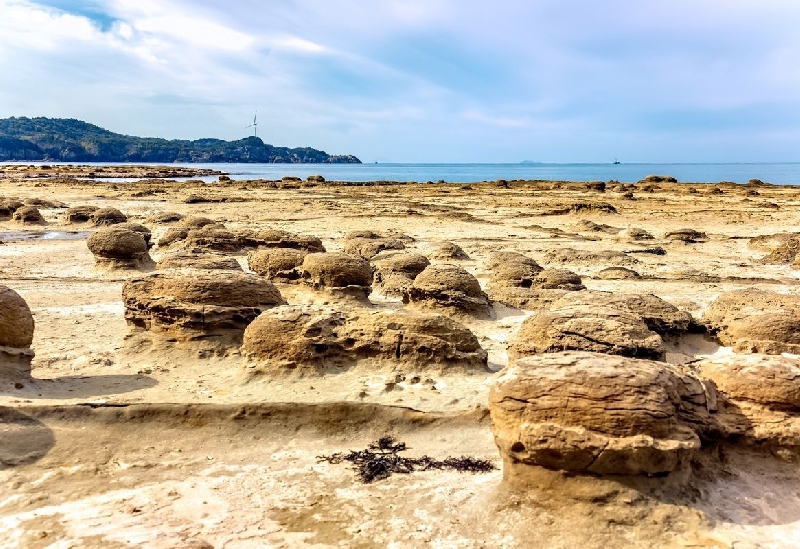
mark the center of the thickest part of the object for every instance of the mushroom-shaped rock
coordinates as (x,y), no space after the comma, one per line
(163,218)
(28,214)
(8,206)
(395,272)
(79,214)
(770,381)
(120,248)
(582,327)
(598,414)
(659,316)
(16,336)
(339,272)
(313,340)
(198,259)
(108,216)
(512,269)
(138,228)
(369,248)
(756,321)
(213,237)
(448,251)
(280,264)
(448,287)
(273,238)
(198,305)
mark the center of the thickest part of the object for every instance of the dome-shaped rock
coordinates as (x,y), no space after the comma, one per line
(138,228)
(16,336)
(280,264)
(599,414)
(198,259)
(161,218)
(213,237)
(369,248)
(449,287)
(448,251)
(117,247)
(28,214)
(617,273)
(273,238)
(511,269)
(196,222)
(395,272)
(338,271)
(108,216)
(313,340)
(79,214)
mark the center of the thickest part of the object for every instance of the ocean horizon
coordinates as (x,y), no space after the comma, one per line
(779,173)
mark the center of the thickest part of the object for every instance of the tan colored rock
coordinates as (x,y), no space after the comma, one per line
(448,251)
(138,228)
(687,236)
(448,287)
(557,279)
(198,305)
(315,340)
(586,327)
(280,239)
(196,222)
(161,218)
(369,247)
(634,234)
(119,248)
(16,336)
(173,235)
(599,414)
(339,272)
(28,215)
(213,237)
(80,214)
(617,273)
(198,259)
(756,321)
(279,264)
(8,206)
(108,216)
(584,257)
(511,269)
(395,272)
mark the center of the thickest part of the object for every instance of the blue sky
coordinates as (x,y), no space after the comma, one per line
(422,80)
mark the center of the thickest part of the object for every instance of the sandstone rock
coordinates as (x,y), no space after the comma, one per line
(118,248)
(16,336)
(196,222)
(199,305)
(108,216)
(617,273)
(80,214)
(756,321)
(599,414)
(28,214)
(137,228)
(362,233)
(770,242)
(160,218)
(512,269)
(172,235)
(448,287)
(782,250)
(339,272)
(395,272)
(8,206)
(213,237)
(369,247)
(280,264)
(659,316)
(557,279)
(531,299)
(586,327)
(605,257)
(313,340)
(44,203)
(280,239)
(771,381)
(634,234)
(198,259)
(445,251)
(688,236)
(588,226)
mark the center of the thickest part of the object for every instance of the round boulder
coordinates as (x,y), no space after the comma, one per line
(161,218)
(369,248)
(280,264)
(117,247)
(213,237)
(395,272)
(79,214)
(598,414)
(316,340)
(28,214)
(448,287)
(448,251)
(339,272)
(198,305)
(108,216)
(138,228)
(16,336)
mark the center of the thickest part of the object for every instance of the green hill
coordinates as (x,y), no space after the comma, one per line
(69,140)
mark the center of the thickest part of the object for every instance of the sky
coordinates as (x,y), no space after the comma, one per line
(421,80)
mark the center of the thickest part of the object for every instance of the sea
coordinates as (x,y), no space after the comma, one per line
(776,173)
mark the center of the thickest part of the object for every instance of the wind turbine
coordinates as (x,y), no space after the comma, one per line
(254,125)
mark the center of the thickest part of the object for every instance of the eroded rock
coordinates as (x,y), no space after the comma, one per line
(448,287)
(119,248)
(108,216)
(448,251)
(338,272)
(395,272)
(280,264)
(198,259)
(28,215)
(80,214)
(16,336)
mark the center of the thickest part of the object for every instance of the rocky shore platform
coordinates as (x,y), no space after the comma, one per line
(185,364)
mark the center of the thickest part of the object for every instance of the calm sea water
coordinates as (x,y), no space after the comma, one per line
(777,173)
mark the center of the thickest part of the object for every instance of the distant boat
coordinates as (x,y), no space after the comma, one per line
(616,161)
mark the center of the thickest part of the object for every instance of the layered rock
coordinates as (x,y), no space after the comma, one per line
(450,288)
(28,215)
(519,281)
(370,247)
(119,248)
(756,321)
(16,336)
(605,257)
(593,413)
(198,259)
(279,264)
(162,218)
(138,228)
(273,238)
(196,222)
(315,340)
(339,273)
(202,305)
(108,216)
(80,214)
(213,237)
(617,273)
(394,273)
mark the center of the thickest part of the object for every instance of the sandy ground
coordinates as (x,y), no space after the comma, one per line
(165,447)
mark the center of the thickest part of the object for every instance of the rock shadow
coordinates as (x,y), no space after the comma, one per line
(69,387)
(23,439)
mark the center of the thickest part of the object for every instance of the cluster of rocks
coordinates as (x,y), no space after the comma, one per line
(519,281)
(94,215)
(16,336)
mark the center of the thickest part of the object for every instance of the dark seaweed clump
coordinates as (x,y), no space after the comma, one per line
(381,459)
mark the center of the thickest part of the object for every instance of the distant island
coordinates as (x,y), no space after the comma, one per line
(70,140)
